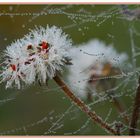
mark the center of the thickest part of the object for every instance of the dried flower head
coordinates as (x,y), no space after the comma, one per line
(35,57)
(92,62)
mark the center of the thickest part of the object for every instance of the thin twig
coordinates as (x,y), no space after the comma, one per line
(135,114)
(132,48)
(119,127)
(83,106)
(120,107)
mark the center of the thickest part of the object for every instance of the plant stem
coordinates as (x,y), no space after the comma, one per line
(120,109)
(135,114)
(83,106)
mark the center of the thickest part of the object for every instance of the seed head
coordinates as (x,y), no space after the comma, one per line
(35,57)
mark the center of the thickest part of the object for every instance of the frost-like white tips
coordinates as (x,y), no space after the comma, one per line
(91,61)
(35,57)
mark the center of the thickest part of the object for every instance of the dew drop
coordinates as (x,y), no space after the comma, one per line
(10,8)
(5,39)
(79,29)
(23,26)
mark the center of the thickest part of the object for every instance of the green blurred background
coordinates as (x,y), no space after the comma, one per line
(34,110)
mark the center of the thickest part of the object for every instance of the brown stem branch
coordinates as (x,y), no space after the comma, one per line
(83,106)
(135,114)
(120,108)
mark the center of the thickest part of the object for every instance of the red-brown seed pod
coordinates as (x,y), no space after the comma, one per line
(44,45)
(13,67)
(29,47)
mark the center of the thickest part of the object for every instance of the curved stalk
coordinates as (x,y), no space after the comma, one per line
(136,110)
(83,106)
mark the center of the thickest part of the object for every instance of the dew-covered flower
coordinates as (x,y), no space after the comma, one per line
(92,62)
(35,57)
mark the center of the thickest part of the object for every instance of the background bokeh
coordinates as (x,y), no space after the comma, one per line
(34,110)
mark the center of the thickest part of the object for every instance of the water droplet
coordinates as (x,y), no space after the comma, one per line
(83,34)
(11,16)
(63,98)
(51,118)
(23,26)
(112,23)
(10,8)
(5,39)
(79,29)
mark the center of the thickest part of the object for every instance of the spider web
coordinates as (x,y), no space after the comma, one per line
(46,110)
